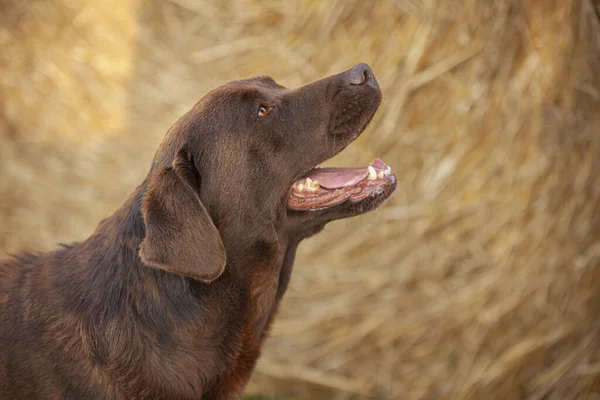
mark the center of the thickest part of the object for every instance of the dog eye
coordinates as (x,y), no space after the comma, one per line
(263,111)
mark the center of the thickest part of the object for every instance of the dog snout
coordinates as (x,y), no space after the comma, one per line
(360,74)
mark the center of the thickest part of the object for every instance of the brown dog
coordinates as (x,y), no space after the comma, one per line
(173,295)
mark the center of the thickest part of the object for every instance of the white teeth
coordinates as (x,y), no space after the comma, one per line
(386,172)
(378,173)
(307,185)
(372,173)
(311,185)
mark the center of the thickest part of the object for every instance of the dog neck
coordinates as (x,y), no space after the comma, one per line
(121,234)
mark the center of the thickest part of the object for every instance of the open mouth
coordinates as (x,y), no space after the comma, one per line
(326,187)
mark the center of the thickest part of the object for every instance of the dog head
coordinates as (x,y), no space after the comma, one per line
(243,162)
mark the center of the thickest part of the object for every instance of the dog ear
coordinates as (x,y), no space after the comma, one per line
(180,236)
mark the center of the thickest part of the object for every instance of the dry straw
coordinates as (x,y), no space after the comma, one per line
(478,280)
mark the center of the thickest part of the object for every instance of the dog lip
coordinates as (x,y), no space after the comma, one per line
(320,198)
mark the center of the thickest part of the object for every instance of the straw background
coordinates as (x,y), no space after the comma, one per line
(479,279)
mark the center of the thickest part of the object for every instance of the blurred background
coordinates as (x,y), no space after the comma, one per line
(479,279)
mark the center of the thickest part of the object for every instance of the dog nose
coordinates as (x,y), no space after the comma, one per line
(361,74)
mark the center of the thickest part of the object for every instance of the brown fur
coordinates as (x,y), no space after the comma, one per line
(172,296)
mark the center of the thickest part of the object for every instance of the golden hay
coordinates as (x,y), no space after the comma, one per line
(479,279)
(63,70)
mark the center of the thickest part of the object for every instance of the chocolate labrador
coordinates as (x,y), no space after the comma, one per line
(172,296)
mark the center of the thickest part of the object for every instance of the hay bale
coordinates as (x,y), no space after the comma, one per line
(479,278)
(64,69)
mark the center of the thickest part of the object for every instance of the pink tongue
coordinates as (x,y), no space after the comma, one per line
(335,178)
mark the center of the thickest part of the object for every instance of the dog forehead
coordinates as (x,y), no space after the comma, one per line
(240,94)
(231,94)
